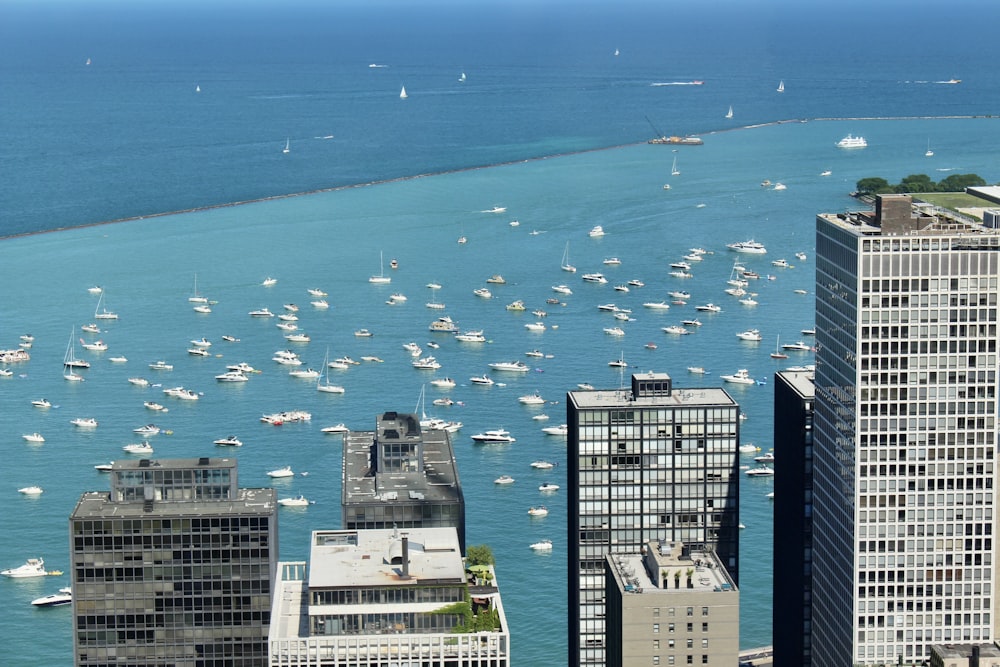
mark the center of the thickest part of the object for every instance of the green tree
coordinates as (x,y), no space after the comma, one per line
(479,554)
(916,183)
(873,185)
(958,182)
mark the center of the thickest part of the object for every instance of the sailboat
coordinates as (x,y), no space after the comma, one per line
(781,86)
(323,382)
(617,52)
(778,354)
(197,88)
(287,148)
(461,79)
(195,297)
(729,114)
(103,314)
(70,361)
(402,93)
(673,170)
(929,152)
(381,278)
(566,266)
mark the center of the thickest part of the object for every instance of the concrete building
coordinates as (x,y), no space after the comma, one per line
(646,463)
(905,418)
(401,476)
(964,655)
(793,510)
(369,598)
(173,567)
(671,606)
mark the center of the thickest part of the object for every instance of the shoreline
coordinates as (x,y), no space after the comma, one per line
(337,188)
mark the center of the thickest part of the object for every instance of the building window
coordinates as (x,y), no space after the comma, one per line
(690,659)
(690,643)
(656,644)
(704,627)
(690,611)
(704,642)
(670,659)
(656,628)
(704,611)
(704,659)
(670,643)
(670,628)
(656,659)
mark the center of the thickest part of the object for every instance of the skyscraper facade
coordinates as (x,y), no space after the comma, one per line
(173,567)
(646,463)
(904,434)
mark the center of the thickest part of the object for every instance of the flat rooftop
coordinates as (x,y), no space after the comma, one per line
(623,397)
(634,577)
(801,381)
(98,505)
(373,558)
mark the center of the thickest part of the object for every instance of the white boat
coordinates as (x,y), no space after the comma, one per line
(531,399)
(674,171)
(96,289)
(778,354)
(33,567)
(298,338)
(481,379)
(928,152)
(161,366)
(680,294)
(696,370)
(562,289)
(196,297)
(147,429)
(742,376)
(826,172)
(504,479)
(781,86)
(443,325)
(96,346)
(304,373)
(748,448)
(750,335)
(516,366)
(269,281)
(104,467)
(542,545)
(138,448)
(612,261)
(538,511)
(534,353)
(709,308)
(444,383)
(729,114)
(103,313)
(336,428)
(767,457)
(33,437)
(230,339)
(496,209)
(155,407)
(70,360)
(320,304)
(621,288)
(139,382)
(750,246)
(483,293)
(426,364)
(288,147)
(315,291)
(402,93)
(565,265)
(363,333)
(760,471)
(595,278)
(496,279)
(198,352)
(548,487)
(781,263)
(381,278)
(850,141)
(84,422)
(656,305)
(295,501)
(676,330)
(41,403)
(516,306)
(461,78)
(635,282)
(118,360)
(91,328)
(495,435)
(281,472)
(261,312)
(780,186)
(561,430)
(614,331)
(64,596)
(596,231)
(535,326)
(323,382)
(798,346)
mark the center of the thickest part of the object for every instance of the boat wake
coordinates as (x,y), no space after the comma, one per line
(677,83)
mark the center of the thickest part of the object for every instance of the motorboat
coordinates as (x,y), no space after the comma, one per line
(760,471)
(287,358)
(496,279)
(230,339)
(516,366)
(680,265)
(445,401)
(780,263)
(84,422)
(443,325)
(618,363)
(504,479)
(96,346)
(621,288)
(750,246)
(798,346)
(232,376)
(561,430)
(516,306)
(96,289)
(138,448)
(33,567)
(261,312)
(691,322)
(543,465)
(612,261)
(33,437)
(304,373)
(696,370)
(656,305)
(336,428)
(742,376)
(595,278)
(287,326)
(297,338)
(269,281)
(750,335)
(538,511)
(152,405)
(495,209)
(471,337)
(650,345)
(289,317)
(229,441)
(749,301)
(295,501)
(483,293)
(680,294)
(850,141)
(748,448)
(534,353)
(139,381)
(780,186)
(202,342)
(31,490)
(562,289)
(64,596)
(148,429)
(596,231)
(635,282)
(808,332)
(315,291)
(765,458)
(202,308)
(426,364)
(614,331)
(481,379)
(709,308)
(161,366)
(281,472)
(548,487)
(535,326)
(363,333)
(198,352)
(91,328)
(681,273)
(444,383)
(321,304)
(41,403)
(585,386)
(372,358)
(187,395)
(676,330)
(495,435)
(542,545)
(118,360)
(531,399)
(104,467)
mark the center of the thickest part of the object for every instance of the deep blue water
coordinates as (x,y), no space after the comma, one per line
(128,136)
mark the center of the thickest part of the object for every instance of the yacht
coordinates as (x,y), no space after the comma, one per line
(363,333)
(321,304)
(538,511)
(84,422)
(709,308)
(548,487)
(261,312)
(91,328)
(298,338)
(471,337)
(198,352)
(676,330)
(742,376)
(33,437)
(148,429)
(532,399)
(426,364)
(139,448)
(296,501)
(798,346)
(614,331)
(760,471)
(444,383)
(496,279)
(232,376)
(850,141)
(516,366)
(504,479)
(752,247)
(561,430)
(481,379)
(33,567)
(495,435)
(336,428)
(749,334)
(281,472)
(680,294)
(161,366)
(691,322)
(595,278)
(41,403)
(139,382)
(767,457)
(64,596)
(635,282)
(517,306)
(656,305)
(535,326)
(781,263)
(696,370)
(596,231)
(542,545)
(304,373)
(483,293)
(748,448)
(443,325)
(612,261)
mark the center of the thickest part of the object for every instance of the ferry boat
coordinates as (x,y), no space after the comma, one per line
(750,246)
(850,141)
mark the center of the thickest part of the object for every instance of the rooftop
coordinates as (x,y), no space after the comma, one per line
(98,504)
(607,398)
(654,571)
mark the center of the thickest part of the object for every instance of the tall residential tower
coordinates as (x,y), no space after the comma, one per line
(904,434)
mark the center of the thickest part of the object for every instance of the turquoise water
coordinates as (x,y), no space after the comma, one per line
(148,267)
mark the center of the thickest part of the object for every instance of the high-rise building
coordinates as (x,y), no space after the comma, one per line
(173,567)
(646,463)
(905,420)
(401,476)
(792,500)
(370,598)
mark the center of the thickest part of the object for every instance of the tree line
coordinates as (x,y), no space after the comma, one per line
(918,183)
